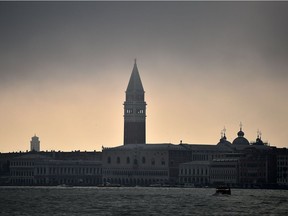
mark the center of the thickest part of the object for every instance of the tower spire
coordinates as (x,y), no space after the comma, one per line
(135,83)
(224,132)
(135,110)
(259,134)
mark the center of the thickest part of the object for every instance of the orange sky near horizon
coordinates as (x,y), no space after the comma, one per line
(88,115)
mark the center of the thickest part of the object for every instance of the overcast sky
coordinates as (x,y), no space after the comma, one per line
(65,66)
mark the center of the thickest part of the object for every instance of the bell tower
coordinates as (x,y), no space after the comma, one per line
(135,110)
(35,144)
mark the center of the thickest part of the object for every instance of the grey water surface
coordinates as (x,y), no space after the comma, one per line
(37,201)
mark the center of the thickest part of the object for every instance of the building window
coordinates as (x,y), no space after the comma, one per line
(118,160)
(143,160)
(153,161)
(135,162)
(109,160)
(140,111)
(129,111)
(128,160)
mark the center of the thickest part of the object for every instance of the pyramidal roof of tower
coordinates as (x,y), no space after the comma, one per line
(135,83)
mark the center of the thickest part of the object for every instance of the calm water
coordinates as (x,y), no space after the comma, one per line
(36,201)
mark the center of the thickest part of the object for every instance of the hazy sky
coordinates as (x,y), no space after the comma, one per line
(65,66)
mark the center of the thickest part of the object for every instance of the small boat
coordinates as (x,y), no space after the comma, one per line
(223,190)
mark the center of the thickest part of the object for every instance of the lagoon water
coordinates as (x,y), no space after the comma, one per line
(37,201)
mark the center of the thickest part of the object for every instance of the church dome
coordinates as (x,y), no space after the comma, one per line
(258,142)
(223,140)
(240,133)
(240,140)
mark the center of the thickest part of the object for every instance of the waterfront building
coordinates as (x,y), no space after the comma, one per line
(239,164)
(22,169)
(194,173)
(68,172)
(136,164)
(36,169)
(282,167)
(253,168)
(5,159)
(140,164)
(203,157)
(50,167)
(224,171)
(258,164)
